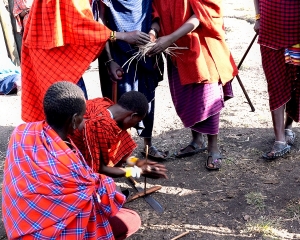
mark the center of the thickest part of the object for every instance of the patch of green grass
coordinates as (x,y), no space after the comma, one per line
(293,209)
(265,226)
(256,199)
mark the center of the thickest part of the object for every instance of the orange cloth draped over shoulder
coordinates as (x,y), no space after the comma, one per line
(208,55)
(60,40)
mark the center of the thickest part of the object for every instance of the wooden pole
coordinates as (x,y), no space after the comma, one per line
(11,45)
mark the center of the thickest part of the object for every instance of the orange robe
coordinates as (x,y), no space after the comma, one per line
(60,41)
(208,58)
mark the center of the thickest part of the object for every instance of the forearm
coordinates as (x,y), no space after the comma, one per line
(113,171)
(191,24)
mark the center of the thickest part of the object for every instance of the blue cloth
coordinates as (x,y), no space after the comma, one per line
(142,76)
(9,74)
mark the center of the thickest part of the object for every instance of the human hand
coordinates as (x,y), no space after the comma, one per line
(135,37)
(115,71)
(162,43)
(152,169)
(24,12)
(257,26)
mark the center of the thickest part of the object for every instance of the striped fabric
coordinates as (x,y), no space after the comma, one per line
(292,55)
(142,76)
(198,105)
(49,192)
(60,41)
(102,139)
(280,78)
(279,23)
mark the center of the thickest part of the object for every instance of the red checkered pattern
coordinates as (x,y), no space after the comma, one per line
(60,40)
(280,77)
(279,23)
(102,139)
(49,192)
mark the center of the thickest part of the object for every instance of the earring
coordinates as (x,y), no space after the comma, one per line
(74,126)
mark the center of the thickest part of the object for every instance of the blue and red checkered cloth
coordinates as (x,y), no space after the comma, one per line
(49,192)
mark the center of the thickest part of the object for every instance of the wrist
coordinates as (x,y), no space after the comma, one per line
(107,63)
(133,172)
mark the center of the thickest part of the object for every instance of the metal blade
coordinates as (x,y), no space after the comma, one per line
(150,200)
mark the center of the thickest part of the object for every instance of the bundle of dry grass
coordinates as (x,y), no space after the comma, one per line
(142,53)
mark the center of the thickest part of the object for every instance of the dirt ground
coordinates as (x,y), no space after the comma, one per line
(249,198)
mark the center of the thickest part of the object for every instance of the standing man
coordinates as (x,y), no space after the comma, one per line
(60,40)
(277,23)
(142,76)
(200,79)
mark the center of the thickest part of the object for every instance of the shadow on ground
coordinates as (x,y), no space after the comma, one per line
(219,205)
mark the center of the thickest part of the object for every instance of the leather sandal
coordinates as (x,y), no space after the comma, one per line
(279,149)
(289,136)
(216,161)
(194,146)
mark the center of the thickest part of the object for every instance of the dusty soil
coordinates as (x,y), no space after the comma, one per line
(249,198)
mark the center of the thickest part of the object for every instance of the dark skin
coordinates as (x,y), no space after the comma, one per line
(166,41)
(115,71)
(279,123)
(126,119)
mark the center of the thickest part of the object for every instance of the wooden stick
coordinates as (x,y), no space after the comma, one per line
(141,194)
(180,235)
(145,183)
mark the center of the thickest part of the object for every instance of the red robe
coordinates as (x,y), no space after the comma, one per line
(101,138)
(60,41)
(208,58)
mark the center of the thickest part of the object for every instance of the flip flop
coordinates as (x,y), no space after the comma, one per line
(279,149)
(194,146)
(152,151)
(289,136)
(216,161)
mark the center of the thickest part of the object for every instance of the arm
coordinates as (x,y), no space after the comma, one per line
(164,42)
(149,169)
(257,16)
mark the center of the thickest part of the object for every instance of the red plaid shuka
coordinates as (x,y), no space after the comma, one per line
(102,139)
(49,192)
(60,40)
(19,6)
(279,23)
(279,30)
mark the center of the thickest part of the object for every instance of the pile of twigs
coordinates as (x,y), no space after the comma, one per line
(142,53)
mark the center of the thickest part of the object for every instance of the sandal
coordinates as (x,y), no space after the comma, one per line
(153,151)
(216,161)
(279,149)
(289,136)
(194,146)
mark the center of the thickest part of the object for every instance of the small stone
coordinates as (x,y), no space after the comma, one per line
(246,217)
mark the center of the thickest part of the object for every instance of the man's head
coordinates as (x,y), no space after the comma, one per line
(64,105)
(136,108)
